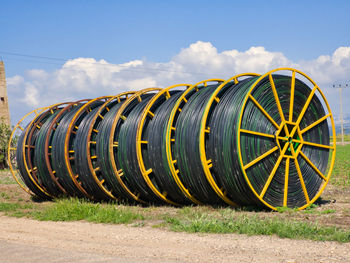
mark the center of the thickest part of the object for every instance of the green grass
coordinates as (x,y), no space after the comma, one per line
(187,219)
(7,179)
(12,207)
(5,207)
(341,171)
(4,195)
(321,212)
(284,209)
(75,209)
(253,225)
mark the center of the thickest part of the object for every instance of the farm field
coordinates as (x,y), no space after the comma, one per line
(327,220)
(346,137)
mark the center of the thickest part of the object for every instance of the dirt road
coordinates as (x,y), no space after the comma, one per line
(25,240)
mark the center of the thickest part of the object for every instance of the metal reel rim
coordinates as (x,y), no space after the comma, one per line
(170,126)
(88,140)
(204,126)
(117,117)
(140,128)
(49,134)
(9,148)
(66,148)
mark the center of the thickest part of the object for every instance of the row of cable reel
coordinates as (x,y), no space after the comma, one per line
(153,146)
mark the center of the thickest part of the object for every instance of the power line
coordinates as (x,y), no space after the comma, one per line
(32,56)
(30,61)
(125,68)
(93,63)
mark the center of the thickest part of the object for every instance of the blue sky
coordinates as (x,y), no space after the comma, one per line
(159,34)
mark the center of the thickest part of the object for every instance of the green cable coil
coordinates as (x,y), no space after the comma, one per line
(262,140)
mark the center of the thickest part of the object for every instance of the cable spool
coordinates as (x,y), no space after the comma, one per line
(56,140)
(126,155)
(171,132)
(46,146)
(206,132)
(21,176)
(301,135)
(24,159)
(88,145)
(99,145)
(150,145)
(76,155)
(40,158)
(250,140)
(29,145)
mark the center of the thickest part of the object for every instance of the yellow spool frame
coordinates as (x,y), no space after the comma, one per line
(119,116)
(36,125)
(47,146)
(171,130)
(12,151)
(67,152)
(205,129)
(147,113)
(295,129)
(98,114)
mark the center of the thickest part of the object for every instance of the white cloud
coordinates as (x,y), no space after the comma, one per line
(204,57)
(15,81)
(31,95)
(329,68)
(87,78)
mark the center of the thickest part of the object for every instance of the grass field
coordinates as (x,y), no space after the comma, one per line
(341,171)
(328,219)
(346,137)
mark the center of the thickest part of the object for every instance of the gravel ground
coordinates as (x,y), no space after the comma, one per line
(26,240)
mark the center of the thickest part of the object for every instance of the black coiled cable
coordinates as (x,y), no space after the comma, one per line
(225,122)
(81,155)
(127,155)
(221,146)
(40,158)
(58,152)
(103,153)
(155,154)
(186,147)
(21,166)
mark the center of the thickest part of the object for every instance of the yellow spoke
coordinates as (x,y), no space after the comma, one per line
(276,98)
(258,133)
(301,115)
(286,130)
(268,182)
(263,111)
(302,181)
(293,151)
(261,157)
(313,166)
(315,123)
(286,178)
(298,150)
(291,105)
(315,144)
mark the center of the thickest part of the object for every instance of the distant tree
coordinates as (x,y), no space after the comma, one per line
(5,133)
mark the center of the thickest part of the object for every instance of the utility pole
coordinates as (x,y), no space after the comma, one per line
(340,86)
